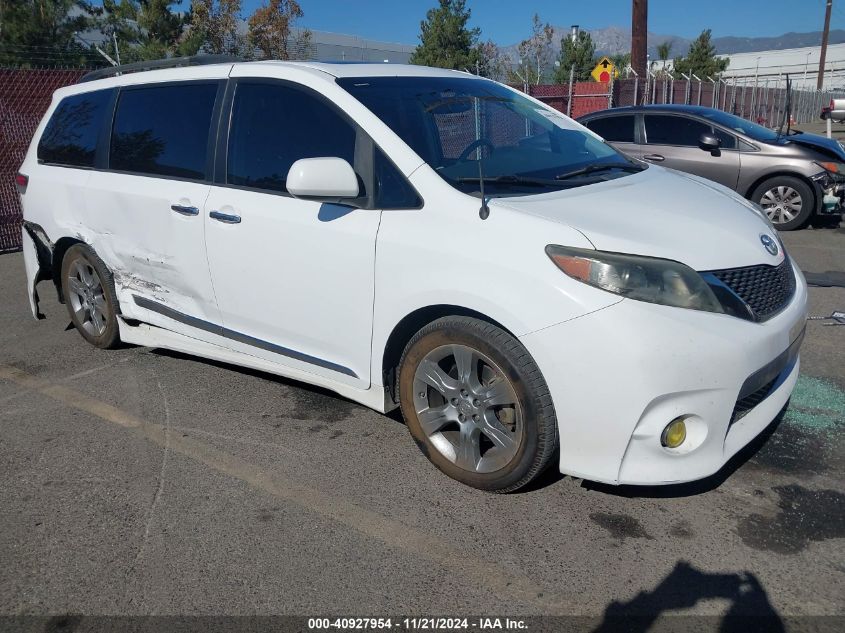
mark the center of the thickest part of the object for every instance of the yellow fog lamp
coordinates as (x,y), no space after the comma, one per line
(674,434)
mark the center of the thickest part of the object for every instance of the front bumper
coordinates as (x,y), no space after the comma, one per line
(618,376)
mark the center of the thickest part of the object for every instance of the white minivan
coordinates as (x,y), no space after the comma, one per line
(425,239)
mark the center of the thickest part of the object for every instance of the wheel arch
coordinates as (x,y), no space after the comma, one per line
(409,325)
(61,247)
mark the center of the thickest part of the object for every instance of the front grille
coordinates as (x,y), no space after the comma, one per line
(765,289)
(744,405)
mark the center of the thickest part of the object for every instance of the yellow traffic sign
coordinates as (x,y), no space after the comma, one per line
(604,70)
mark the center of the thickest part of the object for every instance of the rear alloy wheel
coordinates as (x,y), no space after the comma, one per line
(476,404)
(787,201)
(90,299)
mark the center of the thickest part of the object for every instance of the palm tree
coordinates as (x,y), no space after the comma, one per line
(663,52)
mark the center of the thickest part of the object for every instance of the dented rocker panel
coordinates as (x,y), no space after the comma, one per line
(239,336)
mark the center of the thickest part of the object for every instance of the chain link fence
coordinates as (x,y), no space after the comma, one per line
(764,101)
(24,97)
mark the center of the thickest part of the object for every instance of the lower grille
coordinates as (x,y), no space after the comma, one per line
(764,289)
(750,401)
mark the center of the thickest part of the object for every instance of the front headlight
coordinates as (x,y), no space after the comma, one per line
(648,279)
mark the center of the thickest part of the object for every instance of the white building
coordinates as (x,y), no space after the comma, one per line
(801,64)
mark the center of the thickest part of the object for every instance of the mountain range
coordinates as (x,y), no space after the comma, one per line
(615,40)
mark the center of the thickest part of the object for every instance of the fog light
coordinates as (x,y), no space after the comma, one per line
(674,434)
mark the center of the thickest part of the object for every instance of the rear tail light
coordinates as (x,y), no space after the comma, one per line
(21,181)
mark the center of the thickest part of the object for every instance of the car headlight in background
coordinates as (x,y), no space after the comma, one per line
(647,279)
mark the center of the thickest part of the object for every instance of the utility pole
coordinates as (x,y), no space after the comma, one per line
(639,30)
(825,33)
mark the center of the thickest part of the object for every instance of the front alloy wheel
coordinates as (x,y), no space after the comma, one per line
(476,404)
(469,412)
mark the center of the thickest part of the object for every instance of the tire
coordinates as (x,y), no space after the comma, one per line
(778,196)
(88,289)
(494,429)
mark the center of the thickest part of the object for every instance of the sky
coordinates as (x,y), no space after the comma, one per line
(509,21)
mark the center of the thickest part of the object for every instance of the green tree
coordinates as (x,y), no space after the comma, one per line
(701,59)
(213,28)
(580,53)
(145,29)
(42,32)
(445,39)
(270,31)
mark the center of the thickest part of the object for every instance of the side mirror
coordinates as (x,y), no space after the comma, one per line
(709,143)
(322,180)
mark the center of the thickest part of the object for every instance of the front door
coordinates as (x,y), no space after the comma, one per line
(671,140)
(293,278)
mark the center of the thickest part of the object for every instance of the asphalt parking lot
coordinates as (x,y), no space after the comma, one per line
(139,481)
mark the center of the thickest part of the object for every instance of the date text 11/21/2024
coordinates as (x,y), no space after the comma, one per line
(416,624)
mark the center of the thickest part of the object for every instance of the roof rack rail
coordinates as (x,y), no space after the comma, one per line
(158,64)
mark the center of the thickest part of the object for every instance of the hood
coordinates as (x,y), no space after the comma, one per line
(818,142)
(660,213)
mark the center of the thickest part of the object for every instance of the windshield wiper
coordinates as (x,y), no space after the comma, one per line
(509,179)
(589,169)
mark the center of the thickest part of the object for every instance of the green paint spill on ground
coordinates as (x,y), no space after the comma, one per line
(817,405)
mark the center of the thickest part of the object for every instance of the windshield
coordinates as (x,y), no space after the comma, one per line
(455,123)
(757,132)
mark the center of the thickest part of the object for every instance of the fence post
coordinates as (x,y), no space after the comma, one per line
(628,71)
(571,80)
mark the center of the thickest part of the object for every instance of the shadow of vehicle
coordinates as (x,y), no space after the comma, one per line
(683,588)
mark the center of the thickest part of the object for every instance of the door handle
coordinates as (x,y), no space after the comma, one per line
(184,210)
(226,218)
(655,158)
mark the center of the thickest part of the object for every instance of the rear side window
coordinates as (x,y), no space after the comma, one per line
(617,129)
(674,130)
(70,137)
(163,130)
(273,126)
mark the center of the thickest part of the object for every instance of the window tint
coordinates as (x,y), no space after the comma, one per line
(70,137)
(393,191)
(674,130)
(273,126)
(163,130)
(619,129)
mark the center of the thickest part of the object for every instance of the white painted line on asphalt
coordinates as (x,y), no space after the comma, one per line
(472,571)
